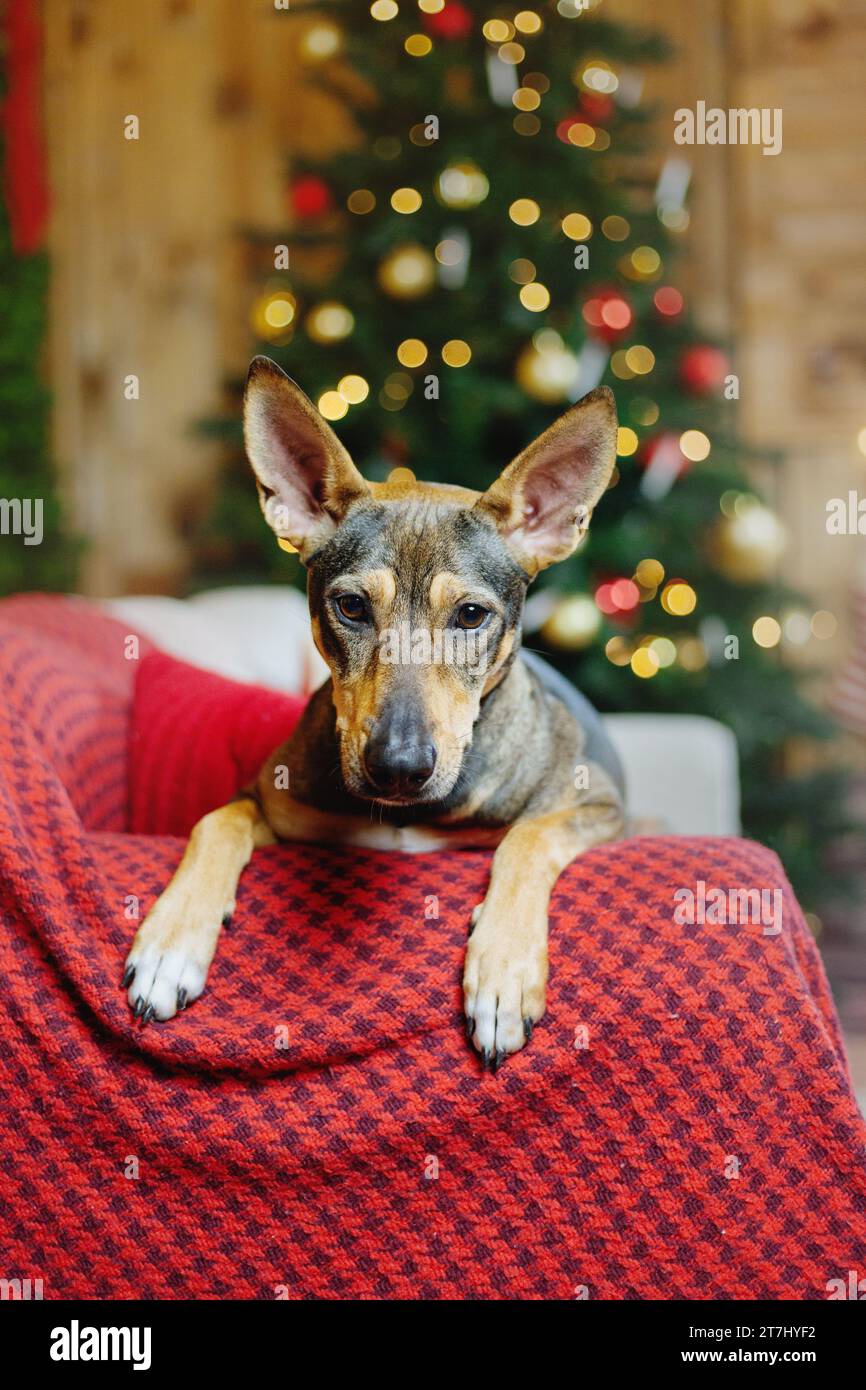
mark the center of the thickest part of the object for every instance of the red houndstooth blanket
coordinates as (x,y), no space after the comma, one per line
(682,1125)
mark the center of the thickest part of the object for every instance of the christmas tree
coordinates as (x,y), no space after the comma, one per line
(26,476)
(497,242)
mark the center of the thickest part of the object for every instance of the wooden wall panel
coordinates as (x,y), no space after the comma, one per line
(146,264)
(797,234)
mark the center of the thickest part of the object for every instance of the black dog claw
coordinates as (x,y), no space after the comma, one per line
(149,1013)
(498,1060)
(486,1059)
(470,1028)
(139,1007)
(527,1029)
(227,919)
(181,999)
(128,977)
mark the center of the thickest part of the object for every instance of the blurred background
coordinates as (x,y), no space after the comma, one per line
(448,219)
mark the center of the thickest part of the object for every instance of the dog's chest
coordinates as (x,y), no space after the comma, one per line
(422,839)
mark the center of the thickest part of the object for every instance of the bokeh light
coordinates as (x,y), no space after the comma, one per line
(456,353)
(353,389)
(577,226)
(678,598)
(412,352)
(694,445)
(524,211)
(406,200)
(766,632)
(535,297)
(361,201)
(332,405)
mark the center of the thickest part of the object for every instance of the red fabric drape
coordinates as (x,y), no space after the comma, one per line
(682,1125)
(24,183)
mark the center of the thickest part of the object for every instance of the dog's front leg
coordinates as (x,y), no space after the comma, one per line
(175,944)
(505,976)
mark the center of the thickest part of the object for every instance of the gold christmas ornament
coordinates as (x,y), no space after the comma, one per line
(407,272)
(418,45)
(462,185)
(573,623)
(547,371)
(748,545)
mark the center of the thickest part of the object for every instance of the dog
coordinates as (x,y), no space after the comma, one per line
(409,754)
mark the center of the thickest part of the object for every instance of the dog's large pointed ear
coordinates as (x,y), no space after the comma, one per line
(541,503)
(305,477)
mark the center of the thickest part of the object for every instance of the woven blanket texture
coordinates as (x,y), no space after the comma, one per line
(681,1126)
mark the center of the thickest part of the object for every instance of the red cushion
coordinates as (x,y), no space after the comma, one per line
(195,740)
(316,1122)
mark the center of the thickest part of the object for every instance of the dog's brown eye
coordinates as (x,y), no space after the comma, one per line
(471,615)
(352,607)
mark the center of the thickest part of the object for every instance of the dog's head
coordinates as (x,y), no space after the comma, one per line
(416,590)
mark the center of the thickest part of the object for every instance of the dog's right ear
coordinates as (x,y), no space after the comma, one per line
(305,477)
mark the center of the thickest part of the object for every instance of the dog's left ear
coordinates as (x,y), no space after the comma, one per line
(541,503)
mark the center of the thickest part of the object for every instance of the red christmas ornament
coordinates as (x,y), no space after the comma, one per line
(617,596)
(661,453)
(668,301)
(608,313)
(703,369)
(452,22)
(26,187)
(310,196)
(597,106)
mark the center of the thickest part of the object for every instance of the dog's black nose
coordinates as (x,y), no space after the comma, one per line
(397,768)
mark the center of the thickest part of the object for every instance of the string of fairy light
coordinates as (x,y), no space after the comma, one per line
(748,538)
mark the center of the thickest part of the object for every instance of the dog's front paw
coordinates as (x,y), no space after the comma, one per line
(504,984)
(167,966)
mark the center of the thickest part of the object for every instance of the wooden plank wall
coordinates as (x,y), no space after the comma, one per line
(147,277)
(797,234)
(146,271)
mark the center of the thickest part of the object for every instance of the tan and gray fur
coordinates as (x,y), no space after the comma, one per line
(405,755)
